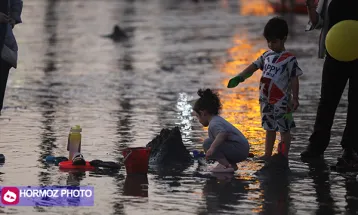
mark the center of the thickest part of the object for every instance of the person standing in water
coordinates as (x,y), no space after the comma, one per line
(10,15)
(335,75)
(279,87)
(226,144)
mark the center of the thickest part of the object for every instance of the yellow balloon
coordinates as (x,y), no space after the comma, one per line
(342,41)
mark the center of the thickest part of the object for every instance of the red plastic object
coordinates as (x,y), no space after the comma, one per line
(136,160)
(68,165)
(281,148)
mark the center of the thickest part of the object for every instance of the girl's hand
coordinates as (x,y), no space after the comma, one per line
(4,18)
(209,153)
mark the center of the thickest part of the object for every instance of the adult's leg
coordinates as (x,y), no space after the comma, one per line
(349,139)
(334,80)
(4,74)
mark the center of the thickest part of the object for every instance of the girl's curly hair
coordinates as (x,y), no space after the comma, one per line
(208,101)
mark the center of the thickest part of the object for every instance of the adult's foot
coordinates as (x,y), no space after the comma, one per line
(348,162)
(311,153)
(349,156)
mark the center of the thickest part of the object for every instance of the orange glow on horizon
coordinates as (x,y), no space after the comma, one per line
(255,7)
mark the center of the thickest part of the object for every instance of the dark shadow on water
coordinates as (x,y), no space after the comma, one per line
(1,173)
(319,172)
(222,193)
(165,170)
(276,193)
(351,196)
(100,172)
(75,178)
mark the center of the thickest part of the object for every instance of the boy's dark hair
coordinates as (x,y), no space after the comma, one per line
(208,101)
(276,28)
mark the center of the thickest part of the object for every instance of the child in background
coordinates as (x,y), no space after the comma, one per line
(279,80)
(226,144)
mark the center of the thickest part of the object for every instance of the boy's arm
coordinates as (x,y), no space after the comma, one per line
(248,71)
(295,87)
(295,91)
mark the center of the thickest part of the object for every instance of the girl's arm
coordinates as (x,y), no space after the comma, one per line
(220,138)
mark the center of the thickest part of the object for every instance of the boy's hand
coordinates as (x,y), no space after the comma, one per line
(4,18)
(295,103)
(235,81)
(209,153)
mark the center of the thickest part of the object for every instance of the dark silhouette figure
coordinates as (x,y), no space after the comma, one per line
(118,34)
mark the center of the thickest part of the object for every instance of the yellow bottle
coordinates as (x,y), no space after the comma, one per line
(74,141)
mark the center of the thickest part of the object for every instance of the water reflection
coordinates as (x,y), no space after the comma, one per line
(240,105)
(185,117)
(1,173)
(125,111)
(351,196)
(223,193)
(276,191)
(74,178)
(319,172)
(136,185)
(48,97)
(124,125)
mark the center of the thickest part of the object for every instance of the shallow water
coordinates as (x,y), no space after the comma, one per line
(123,94)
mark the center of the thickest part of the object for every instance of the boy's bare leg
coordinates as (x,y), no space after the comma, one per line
(269,143)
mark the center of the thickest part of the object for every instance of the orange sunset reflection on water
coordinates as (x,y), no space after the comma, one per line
(240,105)
(255,7)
